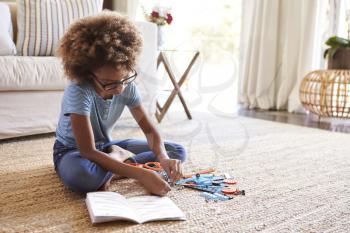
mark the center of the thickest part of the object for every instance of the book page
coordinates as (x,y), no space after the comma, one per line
(149,208)
(108,206)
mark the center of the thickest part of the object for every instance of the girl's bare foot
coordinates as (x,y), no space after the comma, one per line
(119,177)
(128,161)
(105,186)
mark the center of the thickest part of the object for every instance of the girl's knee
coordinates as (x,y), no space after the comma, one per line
(176,151)
(81,178)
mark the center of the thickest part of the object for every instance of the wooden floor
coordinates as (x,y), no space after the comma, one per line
(309,120)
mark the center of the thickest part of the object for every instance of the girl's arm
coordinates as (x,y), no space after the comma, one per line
(85,141)
(84,137)
(172,166)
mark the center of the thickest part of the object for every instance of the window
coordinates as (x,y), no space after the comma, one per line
(213,28)
(333,20)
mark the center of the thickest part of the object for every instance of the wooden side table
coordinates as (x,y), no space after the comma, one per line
(326,93)
(162,59)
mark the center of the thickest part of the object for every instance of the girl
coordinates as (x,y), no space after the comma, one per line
(99,55)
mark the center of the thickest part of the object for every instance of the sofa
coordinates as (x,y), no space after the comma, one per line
(31,87)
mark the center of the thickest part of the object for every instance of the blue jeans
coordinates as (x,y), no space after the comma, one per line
(81,175)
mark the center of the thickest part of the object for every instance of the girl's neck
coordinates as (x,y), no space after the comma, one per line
(101,94)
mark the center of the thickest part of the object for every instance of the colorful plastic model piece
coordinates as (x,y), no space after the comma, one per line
(215,188)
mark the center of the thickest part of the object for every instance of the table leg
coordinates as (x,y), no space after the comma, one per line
(160,111)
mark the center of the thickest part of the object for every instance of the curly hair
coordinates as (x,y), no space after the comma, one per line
(95,41)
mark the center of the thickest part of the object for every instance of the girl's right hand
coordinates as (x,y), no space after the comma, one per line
(154,183)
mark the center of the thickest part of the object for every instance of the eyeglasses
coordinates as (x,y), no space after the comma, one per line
(113,85)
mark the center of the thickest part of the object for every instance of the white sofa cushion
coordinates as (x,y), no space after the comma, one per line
(7,46)
(45,73)
(31,73)
(25,73)
(42,23)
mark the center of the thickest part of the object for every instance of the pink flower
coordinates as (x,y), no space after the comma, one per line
(169,18)
(155,14)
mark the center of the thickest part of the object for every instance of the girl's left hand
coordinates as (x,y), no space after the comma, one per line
(173,168)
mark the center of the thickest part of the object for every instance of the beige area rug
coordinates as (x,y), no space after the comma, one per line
(296,179)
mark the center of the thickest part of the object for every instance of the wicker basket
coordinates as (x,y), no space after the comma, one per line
(327,93)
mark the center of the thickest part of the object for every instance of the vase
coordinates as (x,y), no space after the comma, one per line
(161,36)
(340,60)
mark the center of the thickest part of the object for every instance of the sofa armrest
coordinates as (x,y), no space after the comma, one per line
(147,64)
(13,10)
(148,58)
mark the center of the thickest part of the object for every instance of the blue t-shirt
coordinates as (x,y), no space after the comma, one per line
(82,99)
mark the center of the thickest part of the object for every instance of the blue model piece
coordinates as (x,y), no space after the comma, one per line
(205,179)
(205,188)
(222,197)
(208,196)
(215,197)
(208,183)
(204,182)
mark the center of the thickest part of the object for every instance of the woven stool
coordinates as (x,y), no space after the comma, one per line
(326,93)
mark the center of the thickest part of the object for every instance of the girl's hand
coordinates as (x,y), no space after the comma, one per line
(173,168)
(153,182)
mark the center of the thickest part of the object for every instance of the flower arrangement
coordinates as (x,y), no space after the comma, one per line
(159,15)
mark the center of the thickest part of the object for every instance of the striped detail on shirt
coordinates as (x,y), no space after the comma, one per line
(41,23)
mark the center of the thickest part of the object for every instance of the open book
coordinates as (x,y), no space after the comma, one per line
(111,206)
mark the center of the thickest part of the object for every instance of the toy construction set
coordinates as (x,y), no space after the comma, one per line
(213,187)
